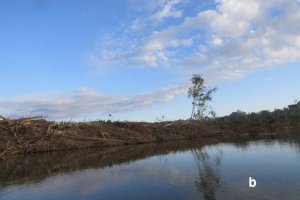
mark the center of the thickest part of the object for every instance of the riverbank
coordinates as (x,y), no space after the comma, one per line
(31,135)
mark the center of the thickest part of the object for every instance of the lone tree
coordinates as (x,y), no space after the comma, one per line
(201,95)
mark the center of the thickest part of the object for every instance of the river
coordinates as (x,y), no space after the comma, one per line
(202,169)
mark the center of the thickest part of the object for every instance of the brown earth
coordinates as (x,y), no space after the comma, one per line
(30,135)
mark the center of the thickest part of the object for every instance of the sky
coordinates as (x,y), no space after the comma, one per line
(86,59)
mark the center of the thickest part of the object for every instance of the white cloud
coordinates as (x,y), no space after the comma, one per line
(217,41)
(168,10)
(245,35)
(227,42)
(155,12)
(82,102)
(156,48)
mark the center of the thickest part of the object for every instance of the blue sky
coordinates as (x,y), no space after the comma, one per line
(82,60)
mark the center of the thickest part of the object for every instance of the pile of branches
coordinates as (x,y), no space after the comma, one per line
(19,135)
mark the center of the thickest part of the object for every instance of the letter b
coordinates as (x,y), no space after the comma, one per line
(252,182)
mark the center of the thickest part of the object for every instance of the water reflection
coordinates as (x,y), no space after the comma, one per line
(208,171)
(36,167)
(204,169)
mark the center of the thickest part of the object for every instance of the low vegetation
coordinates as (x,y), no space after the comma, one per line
(279,119)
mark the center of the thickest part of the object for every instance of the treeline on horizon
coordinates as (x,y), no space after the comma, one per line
(288,117)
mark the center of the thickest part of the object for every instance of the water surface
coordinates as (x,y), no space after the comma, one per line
(205,169)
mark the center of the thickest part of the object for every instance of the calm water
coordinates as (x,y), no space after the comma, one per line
(198,170)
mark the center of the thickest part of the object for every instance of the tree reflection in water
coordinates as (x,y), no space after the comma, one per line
(208,179)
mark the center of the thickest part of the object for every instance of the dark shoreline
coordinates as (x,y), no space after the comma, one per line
(32,135)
